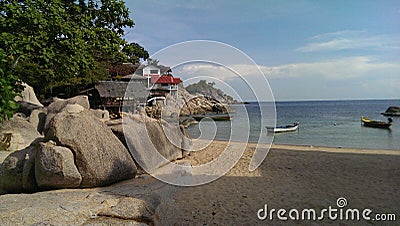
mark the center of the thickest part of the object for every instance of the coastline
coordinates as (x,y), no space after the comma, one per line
(290,177)
(339,150)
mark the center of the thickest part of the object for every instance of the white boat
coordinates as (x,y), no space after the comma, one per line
(283,129)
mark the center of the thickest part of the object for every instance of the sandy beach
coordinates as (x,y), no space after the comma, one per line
(299,177)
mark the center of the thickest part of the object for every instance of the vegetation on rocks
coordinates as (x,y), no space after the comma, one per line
(208,90)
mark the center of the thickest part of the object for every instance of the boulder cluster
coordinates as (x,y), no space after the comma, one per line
(185,104)
(69,145)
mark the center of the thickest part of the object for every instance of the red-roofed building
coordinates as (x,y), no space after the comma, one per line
(161,84)
(165,79)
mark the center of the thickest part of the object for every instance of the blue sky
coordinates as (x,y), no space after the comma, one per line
(306,49)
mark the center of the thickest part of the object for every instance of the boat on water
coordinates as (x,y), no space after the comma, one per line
(376,124)
(282,129)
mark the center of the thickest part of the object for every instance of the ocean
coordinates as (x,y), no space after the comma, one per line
(322,123)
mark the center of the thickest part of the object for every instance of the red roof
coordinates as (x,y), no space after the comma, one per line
(165,79)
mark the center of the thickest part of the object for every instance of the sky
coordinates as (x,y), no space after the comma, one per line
(307,50)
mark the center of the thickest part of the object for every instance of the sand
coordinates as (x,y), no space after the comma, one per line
(299,177)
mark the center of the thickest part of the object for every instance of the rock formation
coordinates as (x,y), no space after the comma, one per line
(135,202)
(55,167)
(17,133)
(15,170)
(27,100)
(187,104)
(100,157)
(146,137)
(85,153)
(392,111)
(79,150)
(207,89)
(59,104)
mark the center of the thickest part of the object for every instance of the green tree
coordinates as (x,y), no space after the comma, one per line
(153,62)
(135,52)
(60,43)
(10,88)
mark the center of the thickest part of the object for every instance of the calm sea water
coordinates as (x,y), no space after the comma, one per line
(322,123)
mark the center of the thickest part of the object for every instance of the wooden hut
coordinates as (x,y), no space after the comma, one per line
(118,96)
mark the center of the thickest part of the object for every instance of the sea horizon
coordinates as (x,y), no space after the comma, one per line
(318,100)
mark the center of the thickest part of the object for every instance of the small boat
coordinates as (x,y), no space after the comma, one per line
(376,124)
(282,129)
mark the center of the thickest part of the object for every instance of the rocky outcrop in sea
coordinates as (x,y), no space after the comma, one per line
(392,111)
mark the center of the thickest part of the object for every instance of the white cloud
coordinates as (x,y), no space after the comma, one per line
(344,40)
(350,77)
(338,34)
(336,69)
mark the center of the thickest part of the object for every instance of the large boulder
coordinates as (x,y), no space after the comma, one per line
(118,130)
(28,96)
(99,156)
(27,108)
(153,143)
(38,119)
(55,167)
(27,100)
(59,104)
(12,173)
(17,133)
(28,173)
(133,203)
(104,115)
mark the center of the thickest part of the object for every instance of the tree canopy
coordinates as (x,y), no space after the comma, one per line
(134,52)
(71,43)
(10,87)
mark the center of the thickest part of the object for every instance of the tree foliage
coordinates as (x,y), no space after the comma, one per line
(121,70)
(64,42)
(135,52)
(208,90)
(153,62)
(10,87)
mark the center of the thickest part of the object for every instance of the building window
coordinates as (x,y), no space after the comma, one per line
(153,71)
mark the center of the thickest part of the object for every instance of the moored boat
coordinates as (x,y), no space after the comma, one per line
(376,124)
(282,129)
